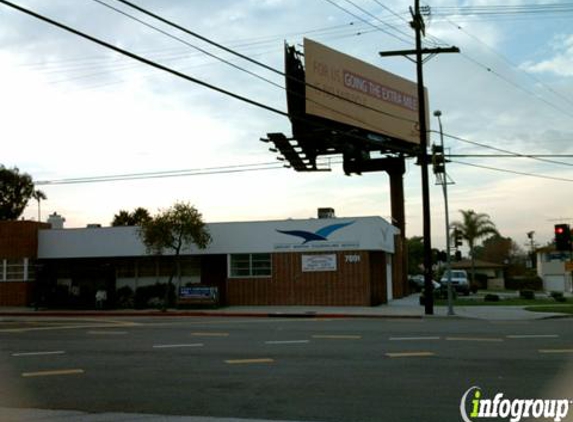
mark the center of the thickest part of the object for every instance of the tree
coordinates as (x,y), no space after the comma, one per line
(170,231)
(136,218)
(39,196)
(16,189)
(415,254)
(473,227)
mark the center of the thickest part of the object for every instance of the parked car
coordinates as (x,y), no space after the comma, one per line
(459,281)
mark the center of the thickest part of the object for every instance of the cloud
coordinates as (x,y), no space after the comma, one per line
(561,63)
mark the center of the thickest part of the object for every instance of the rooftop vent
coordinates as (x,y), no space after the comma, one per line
(326,213)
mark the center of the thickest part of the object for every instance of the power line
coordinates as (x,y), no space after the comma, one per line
(164,68)
(181,40)
(256,62)
(515,154)
(366,12)
(508,61)
(366,21)
(240,168)
(519,173)
(516,85)
(391,11)
(142,59)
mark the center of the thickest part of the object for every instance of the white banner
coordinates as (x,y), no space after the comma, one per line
(313,263)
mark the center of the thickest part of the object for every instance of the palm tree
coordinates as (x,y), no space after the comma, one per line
(473,227)
(39,196)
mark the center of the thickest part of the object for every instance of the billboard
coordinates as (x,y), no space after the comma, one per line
(380,101)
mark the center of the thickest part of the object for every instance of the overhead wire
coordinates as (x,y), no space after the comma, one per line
(181,40)
(142,59)
(366,21)
(513,153)
(519,173)
(509,62)
(164,68)
(392,27)
(256,62)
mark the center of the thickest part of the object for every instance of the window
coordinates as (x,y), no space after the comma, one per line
(250,265)
(15,269)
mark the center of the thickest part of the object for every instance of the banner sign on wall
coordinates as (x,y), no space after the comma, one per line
(314,263)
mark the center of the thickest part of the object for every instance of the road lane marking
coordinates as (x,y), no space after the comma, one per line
(50,373)
(337,337)
(248,361)
(409,354)
(413,338)
(287,341)
(106,332)
(60,327)
(210,334)
(474,339)
(555,350)
(55,352)
(167,346)
(525,336)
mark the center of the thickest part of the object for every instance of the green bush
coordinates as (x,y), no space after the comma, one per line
(558,296)
(527,294)
(491,298)
(524,283)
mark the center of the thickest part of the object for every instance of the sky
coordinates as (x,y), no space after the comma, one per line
(72,109)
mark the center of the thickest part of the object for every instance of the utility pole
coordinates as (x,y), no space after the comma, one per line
(419,27)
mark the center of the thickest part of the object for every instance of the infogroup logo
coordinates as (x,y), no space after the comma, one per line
(514,409)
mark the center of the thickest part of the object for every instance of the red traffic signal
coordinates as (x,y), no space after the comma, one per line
(562,237)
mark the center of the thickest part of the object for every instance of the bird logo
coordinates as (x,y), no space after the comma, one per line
(321,234)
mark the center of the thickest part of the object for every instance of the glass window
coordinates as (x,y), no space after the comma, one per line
(250,265)
(13,269)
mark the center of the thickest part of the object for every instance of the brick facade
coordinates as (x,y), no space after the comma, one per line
(18,240)
(360,283)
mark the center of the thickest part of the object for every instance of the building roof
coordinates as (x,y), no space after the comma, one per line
(359,233)
(467,263)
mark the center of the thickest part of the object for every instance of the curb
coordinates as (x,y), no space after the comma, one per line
(168,314)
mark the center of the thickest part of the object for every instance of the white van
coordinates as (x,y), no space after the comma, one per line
(459,281)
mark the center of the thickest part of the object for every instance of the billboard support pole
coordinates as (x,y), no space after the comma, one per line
(419,28)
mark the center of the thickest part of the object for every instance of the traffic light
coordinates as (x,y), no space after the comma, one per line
(457,238)
(438,161)
(562,237)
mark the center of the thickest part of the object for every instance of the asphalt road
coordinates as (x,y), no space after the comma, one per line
(281,369)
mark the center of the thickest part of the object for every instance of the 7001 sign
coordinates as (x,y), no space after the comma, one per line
(352,259)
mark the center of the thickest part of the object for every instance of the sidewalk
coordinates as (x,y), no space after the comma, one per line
(407,307)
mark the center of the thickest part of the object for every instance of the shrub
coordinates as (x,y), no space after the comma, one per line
(558,296)
(527,294)
(491,298)
(524,283)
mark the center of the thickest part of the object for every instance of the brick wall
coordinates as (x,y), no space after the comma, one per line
(350,285)
(18,239)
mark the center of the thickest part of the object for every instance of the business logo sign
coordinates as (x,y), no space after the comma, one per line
(474,406)
(318,239)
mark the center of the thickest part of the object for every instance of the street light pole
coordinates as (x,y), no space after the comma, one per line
(438,114)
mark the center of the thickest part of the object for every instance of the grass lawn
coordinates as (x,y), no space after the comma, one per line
(566,309)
